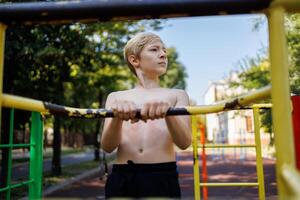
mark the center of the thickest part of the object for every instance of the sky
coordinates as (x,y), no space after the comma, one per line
(211,47)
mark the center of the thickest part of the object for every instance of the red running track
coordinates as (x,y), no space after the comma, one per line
(229,168)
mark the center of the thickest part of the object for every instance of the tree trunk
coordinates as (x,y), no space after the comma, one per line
(97,137)
(97,143)
(99,128)
(97,151)
(56,159)
(8,87)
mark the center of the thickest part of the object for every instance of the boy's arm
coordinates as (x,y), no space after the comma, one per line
(111,134)
(180,126)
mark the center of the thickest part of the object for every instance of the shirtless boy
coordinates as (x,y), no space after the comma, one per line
(145,165)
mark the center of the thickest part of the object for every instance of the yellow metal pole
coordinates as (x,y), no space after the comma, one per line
(196,159)
(2,45)
(211,146)
(23,103)
(291,6)
(280,94)
(292,178)
(243,100)
(230,184)
(259,161)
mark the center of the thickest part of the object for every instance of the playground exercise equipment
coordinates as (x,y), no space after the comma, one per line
(203,146)
(12,101)
(36,144)
(288,177)
(36,158)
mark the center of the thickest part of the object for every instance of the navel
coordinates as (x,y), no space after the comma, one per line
(141,150)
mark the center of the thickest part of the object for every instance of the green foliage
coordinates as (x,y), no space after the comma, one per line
(255,72)
(255,75)
(293,39)
(175,76)
(76,65)
(292,24)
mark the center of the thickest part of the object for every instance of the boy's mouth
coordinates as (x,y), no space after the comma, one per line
(164,63)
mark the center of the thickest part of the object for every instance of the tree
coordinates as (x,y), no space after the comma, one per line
(108,72)
(41,57)
(255,75)
(76,65)
(293,39)
(255,72)
(175,76)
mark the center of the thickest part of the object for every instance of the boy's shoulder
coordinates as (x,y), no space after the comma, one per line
(118,93)
(178,91)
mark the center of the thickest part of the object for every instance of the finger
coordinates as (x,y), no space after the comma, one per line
(126,111)
(134,121)
(114,110)
(159,111)
(165,109)
(152,110)
(132,111)
(120,111)
(116,115)
(144,111)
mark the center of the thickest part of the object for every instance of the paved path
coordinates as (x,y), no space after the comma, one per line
(219,170)
(21,171)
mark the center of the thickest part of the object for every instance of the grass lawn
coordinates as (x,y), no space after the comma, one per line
(48,154)
(68,172)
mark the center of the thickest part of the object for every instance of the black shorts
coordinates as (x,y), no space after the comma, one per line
(143,180)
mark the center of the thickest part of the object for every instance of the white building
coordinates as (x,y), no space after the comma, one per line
(231,127)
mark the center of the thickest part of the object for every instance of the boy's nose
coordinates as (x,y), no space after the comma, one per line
(163,54)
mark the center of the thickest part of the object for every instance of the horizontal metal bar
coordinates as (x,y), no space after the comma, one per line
(233,184)
(15,145)
(226,145)
(262,105)
(4,189)
(23,103)
(235,103)
(291,6)
(99,10)
(16,185)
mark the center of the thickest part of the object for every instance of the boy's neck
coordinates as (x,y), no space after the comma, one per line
(147,84)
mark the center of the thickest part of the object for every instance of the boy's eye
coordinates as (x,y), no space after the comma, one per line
(153,49)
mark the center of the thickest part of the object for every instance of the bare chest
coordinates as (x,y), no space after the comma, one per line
(146,135)
(154,132)
(142,97)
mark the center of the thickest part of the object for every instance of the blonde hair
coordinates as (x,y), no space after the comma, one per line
(136,44)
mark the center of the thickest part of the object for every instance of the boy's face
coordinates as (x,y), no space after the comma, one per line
(153,59)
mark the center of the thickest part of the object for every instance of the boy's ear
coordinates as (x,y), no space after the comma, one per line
(134,61)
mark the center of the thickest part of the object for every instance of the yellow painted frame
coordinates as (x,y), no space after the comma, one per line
(259,162)
(282,123)
(288,177)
